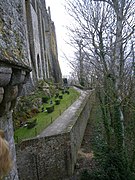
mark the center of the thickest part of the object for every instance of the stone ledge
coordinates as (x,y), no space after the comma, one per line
(5,75)
(11,93)
(18,64)
(12,78)
(1,94)
(18,77)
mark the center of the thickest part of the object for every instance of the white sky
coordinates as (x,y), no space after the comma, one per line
(61,19)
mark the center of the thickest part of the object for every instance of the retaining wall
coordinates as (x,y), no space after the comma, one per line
(53,156)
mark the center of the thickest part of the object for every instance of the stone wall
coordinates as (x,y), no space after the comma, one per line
(12,78)
(24,46)
(14,68)
(53,157)
(41,48)
(78,129)
(12,33)
(43,158)
(27,38)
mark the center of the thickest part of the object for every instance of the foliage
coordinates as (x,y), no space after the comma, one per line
(85,175)
(104,32)
(63,92)
(50,108)
(31,124)
(57,95)
(109,163)
(52,90)
(66,91)
(57,101)
(60,96)
(34,111)
(44,118)
(110,166)
(27,106)
(45,99)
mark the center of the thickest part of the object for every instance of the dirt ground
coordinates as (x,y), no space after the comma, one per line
(85,159)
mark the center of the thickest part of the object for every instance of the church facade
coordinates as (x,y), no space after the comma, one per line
(41,41)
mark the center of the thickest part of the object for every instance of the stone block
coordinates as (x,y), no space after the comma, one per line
(11,93)
(5,75)
(20,87)
(18,77)
(13,103)
(27,77)
(4,108)
(1,94)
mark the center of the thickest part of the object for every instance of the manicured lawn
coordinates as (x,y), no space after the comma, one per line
(44,119)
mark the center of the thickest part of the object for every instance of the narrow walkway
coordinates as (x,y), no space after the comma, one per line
(66,120)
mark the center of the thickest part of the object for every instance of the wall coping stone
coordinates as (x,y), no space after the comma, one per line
(18,64)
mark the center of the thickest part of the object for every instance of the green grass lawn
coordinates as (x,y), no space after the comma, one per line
(44,119)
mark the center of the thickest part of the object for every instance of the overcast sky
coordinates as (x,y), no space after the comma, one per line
(61,20)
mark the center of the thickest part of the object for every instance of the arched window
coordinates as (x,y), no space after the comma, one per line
(39,65)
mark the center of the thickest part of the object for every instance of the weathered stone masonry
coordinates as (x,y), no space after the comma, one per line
(41,41)
(12,79)
(14,68)
(27,43)
(53,156)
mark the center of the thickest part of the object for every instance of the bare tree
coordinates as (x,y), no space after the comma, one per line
(107,29)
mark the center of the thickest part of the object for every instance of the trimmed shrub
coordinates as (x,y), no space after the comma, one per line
(31,124)
(67,91)
(57,101)
(50,108)
(56,95)
(61,88)
(45,99)
(63,91)
(60,96)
